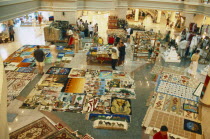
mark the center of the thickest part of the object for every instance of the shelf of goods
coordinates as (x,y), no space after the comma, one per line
(112,22)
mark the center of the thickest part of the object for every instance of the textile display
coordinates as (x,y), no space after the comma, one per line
(192,126)
(58,71)
(45,129)
(72,84)
(62,134)
(175,129)
(26,69)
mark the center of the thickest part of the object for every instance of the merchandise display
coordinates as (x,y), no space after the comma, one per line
(174,101)
(44,128)
(171,55)
(101,94)
(20,67)
(99,54)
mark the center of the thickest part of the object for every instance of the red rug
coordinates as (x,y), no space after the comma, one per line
(39,129)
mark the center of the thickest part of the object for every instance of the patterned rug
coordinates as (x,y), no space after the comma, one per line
(39,129)
(62,134)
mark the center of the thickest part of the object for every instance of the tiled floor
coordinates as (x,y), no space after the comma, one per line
(139,71)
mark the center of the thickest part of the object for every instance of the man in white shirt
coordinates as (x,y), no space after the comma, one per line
(114,56)
(90,28)
(128,30)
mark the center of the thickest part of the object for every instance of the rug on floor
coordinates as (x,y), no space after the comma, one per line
(38,129)
(62,134)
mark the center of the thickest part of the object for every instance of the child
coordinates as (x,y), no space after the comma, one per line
(100,41)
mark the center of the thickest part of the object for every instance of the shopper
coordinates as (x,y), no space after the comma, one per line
(54,52)
(162,134)
(114,56)
(182,47)
(96,28)
(86,31)
(100,41)
(95,39)
(194,63)
(111,40)
(11,33)
(90,28)
(122,53)
(76,41)
(128,30)
(39,57)
(150,50)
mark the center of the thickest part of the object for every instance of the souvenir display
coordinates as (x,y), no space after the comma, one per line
(97,104)
(58,71)
(116,117)
(77,73)
(192,126)
(109,124)
(74,85)
(121,106)
(100,54)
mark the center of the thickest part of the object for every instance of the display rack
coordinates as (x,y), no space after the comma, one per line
(112,22)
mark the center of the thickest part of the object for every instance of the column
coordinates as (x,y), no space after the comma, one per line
(159,16)
(136,15)
(206,98)
(4,133)
(172,18)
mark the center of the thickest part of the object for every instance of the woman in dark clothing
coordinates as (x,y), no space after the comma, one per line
(122,53)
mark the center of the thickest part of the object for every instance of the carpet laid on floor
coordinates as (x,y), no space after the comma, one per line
(39,129)
(62,134)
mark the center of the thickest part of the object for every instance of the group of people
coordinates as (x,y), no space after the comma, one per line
(39,56)
(118,54)
(88,28)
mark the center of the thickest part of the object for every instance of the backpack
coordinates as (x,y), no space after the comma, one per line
(131,31)
(114,50)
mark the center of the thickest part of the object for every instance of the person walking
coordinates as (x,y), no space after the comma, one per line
(76,41)
(54,52)
(162,134)
(90,28)
(122,53)
(39,57)
(114,56)
(11,33)
(194,63)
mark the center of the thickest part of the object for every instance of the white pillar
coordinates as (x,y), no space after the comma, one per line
(159,16)
(136,15)
(206,98)
(172,18)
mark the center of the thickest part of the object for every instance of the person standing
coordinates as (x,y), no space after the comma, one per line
(182,47)
(122,53)
(114,56)
(194,63)
(11,33)
(76,41)
(39,57)
(95,39)
(162,134)
(86,28)
(54,53)
(90,28)
(128,30)
(96,28)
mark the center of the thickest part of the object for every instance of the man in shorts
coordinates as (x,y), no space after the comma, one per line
(39,56)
